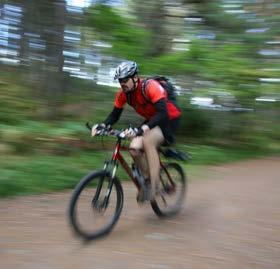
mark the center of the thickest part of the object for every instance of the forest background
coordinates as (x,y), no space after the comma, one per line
(57,63)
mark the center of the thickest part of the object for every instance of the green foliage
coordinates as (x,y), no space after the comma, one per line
(216,17)
(170,64)
(39,155)
(105,19)
(15,103)
(194,123)
(209,155)
(231,61)
(37,173)
(128,40)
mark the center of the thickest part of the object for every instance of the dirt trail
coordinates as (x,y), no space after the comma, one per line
(231,220)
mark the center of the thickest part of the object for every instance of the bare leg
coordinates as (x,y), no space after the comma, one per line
(136,150)
(151,140)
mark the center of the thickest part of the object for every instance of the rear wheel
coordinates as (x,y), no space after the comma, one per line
(91,214)
(171,192)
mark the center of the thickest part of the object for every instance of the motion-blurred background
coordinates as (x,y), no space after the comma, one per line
(57,65)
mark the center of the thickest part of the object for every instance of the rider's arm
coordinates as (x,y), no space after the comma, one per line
(161,114)
(120,101)
(113,116)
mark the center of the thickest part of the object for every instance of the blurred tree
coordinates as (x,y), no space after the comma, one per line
(25,28)
(152,14)
(54,20)
(214,16)
(43,24)
(128,40)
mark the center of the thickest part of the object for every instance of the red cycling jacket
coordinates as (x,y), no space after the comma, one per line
(154,91)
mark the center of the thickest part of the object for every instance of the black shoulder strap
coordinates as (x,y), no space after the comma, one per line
(128,98)
(143,90)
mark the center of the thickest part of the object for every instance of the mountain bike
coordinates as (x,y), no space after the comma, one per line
(97,200)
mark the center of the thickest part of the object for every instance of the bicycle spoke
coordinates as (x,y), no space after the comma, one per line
(164,200)
(92,212)
(171,196)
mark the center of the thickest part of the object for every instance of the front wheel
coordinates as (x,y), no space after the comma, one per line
(171,190)
(95,207)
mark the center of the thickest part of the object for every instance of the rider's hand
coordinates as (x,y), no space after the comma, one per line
(132,132)
(97,129)
(145,128)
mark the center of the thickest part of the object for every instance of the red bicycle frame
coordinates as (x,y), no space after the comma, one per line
(117,157)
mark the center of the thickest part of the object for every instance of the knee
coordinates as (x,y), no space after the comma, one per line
(148,141)
(134,152)
(136,146)
(153,138)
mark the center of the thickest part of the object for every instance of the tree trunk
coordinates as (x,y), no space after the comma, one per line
(53,84)
(152,15)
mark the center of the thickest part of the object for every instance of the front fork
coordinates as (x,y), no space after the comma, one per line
(110,169)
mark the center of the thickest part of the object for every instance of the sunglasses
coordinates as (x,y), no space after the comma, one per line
(124,80)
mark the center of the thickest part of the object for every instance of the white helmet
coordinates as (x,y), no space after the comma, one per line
(126,69)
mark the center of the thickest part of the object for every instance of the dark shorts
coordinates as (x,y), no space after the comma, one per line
(169,129)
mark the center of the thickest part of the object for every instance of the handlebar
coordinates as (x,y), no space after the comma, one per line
(179,155)
(110,132)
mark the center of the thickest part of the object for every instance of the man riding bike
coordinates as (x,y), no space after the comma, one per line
(161,119)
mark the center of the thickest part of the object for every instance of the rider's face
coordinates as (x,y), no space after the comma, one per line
(127,84)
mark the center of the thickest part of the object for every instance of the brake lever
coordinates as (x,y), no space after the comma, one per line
(122,135)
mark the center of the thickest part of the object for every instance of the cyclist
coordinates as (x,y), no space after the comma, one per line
(161,119)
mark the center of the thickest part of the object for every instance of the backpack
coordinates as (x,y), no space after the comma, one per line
(165,83)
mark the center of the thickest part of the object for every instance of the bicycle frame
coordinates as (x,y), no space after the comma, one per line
(117,157)
(111,168)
